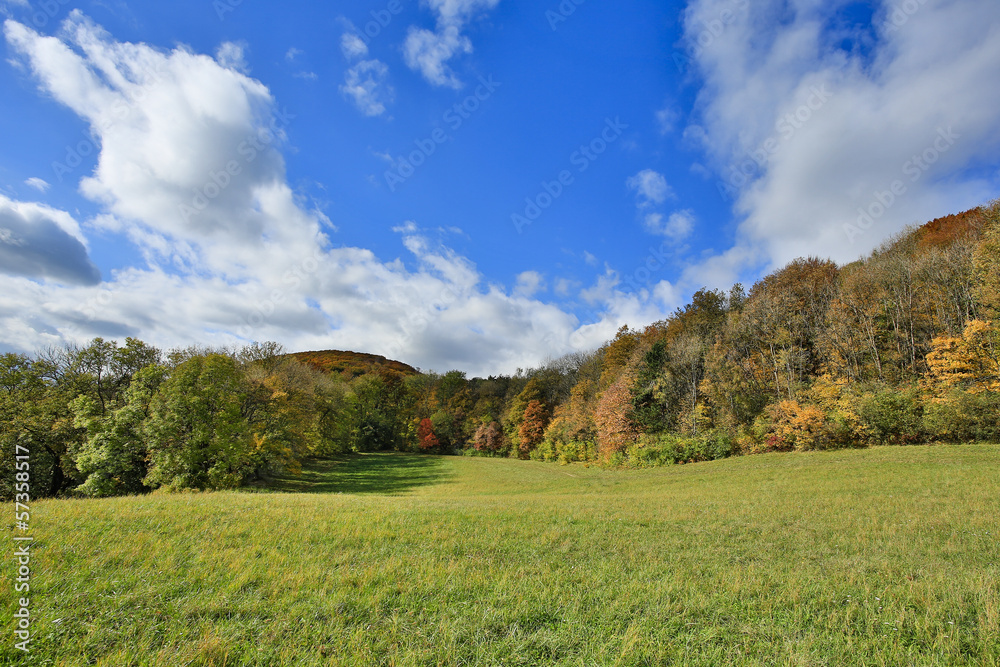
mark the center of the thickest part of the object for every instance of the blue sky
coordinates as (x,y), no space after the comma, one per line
(473,184)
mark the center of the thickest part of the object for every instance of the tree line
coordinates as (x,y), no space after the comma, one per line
(900,347)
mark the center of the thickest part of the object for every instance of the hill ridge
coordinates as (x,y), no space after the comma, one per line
(351,363)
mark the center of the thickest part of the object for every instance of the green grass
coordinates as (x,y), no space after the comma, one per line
(872,557)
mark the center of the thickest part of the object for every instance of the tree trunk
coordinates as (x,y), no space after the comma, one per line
(58,477)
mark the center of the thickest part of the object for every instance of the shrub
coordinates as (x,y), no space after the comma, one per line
(545,451)
(671,448)
(574,451)
(426,438)
(892,416)
(800,427)
(962,416)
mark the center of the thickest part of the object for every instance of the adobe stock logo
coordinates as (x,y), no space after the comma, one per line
(709,33)
(914,168)
(755,162)
(249,150)
(562,13)
(405,166)
(901,13)
(380,20)
(582,158)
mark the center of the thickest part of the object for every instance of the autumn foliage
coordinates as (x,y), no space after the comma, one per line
(970,362)
(899,347)
(425,436)
(532,428)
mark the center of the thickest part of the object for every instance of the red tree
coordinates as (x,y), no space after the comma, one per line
(532,429)
(425,435)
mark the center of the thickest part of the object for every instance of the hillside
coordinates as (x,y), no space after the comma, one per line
(950,228)
(897,348)
(351,364)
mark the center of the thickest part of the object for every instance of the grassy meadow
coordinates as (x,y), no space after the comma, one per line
(887,556)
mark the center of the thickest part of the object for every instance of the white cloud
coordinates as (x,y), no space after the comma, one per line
(251,263)
(821,133)
(365,84)
(459,11)
(408,227)
(232,55)
(38,184)
(617,304)
(678,226)
(187,145)
(654,223)
(291,56)
(564,287)
(700,170)
(651,187)
(667,118)
(429,51)
(353,46)
(529,284)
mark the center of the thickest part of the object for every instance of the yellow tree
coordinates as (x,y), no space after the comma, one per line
(986,262)
(971,362)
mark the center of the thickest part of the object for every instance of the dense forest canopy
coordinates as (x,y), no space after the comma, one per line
(900,347)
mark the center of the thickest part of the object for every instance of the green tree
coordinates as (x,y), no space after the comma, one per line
(113,459)
(650,407)
(35,415)
(377,410)
(197,434)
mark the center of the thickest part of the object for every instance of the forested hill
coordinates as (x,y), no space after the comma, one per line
(938,233)
(351,364)
(949,229)
(902,346)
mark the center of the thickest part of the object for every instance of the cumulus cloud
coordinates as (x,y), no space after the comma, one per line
(188,144)
(191,171)
(651,187)
(365,84)
(809,134)
(429,51)
(42,243)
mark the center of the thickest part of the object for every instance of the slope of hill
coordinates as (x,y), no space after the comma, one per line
(351,364)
